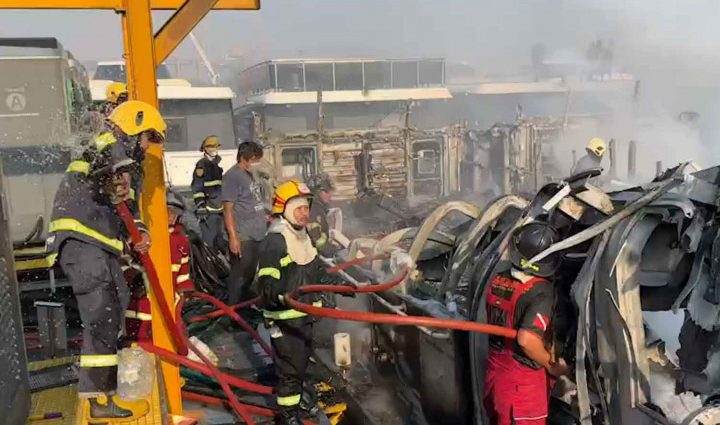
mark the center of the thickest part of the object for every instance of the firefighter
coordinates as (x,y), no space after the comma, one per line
(87,236)
(595,151)
(289,260)
(516,382)
(207,187)
(115,94)
(138,316)
(322,188)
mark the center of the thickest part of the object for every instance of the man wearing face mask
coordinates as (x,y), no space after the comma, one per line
(207,187)
(289,260)
(88,238)
(245,219)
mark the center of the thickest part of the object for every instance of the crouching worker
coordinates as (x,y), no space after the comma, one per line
(138,316)
(516,382)
(289,260)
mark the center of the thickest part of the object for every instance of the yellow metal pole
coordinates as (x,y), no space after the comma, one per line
(179,26)
(119,5)
(140,67)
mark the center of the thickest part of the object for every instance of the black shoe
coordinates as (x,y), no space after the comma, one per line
(287,419)
(108,409)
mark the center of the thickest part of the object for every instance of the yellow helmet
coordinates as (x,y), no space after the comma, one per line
(597,147)
(114,91)
(210,142)
(134,116)
(285,192)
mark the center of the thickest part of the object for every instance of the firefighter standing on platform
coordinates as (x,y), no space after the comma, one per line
(88,237)
(289,260)
(516,384)
(115,94)
(322,188)
(138,316)
(207,188)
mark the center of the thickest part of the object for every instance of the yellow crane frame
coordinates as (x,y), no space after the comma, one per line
(144,51)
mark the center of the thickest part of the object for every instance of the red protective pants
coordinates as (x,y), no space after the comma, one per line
(514,393)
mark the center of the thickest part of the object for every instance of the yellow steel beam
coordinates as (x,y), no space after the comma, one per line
(119,4)
(179,26)
(142,85)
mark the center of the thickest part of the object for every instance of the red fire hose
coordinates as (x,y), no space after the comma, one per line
(239,409)
(233,314)
(215,401)
(218,313)
(390,319)
(152,276)
(231,380)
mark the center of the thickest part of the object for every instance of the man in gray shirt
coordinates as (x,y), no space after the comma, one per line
(245,220)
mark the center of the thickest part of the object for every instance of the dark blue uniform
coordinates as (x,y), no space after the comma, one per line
(88,237)
(207,187)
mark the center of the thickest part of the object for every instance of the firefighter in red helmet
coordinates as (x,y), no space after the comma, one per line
(516,381)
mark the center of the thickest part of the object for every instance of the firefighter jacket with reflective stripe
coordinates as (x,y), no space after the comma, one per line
(207,184)
(180,259)
(508,306)
(288,260)
(318,229)
(82,208)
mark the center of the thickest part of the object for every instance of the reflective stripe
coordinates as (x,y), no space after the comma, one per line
(34,264)
(183,278)
(212,183)
(72,225)
(285,261)
(290,400)
(288,314)
(175,267)
(269,271)
(198,195)
(322,240)
(215,209)
(104,140)
(185,260)
(145,317)
(82,167)
(98,360)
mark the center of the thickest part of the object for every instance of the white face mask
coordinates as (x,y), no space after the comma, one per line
(211,152)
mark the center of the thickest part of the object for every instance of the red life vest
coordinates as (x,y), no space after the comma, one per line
(501,301)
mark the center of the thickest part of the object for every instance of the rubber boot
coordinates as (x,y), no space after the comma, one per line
(106,409)
(288,418)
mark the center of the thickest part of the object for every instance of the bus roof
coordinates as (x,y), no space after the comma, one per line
(170,90)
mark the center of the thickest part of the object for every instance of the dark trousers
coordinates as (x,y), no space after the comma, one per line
(292,347)
(102,296)
(242,271)
(213,231)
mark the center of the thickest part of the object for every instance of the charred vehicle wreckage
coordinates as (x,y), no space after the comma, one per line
(625,255)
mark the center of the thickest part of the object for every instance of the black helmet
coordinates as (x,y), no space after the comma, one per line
(321,182)
(174,200)
(530,240)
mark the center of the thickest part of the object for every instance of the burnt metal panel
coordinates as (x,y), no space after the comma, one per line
(15,394)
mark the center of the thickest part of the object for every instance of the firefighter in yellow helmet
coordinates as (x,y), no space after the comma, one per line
(207,190)
(116,93)
(595,151)
(289,260)
(88,238)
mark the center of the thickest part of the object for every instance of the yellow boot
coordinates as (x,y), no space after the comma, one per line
(115,410)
